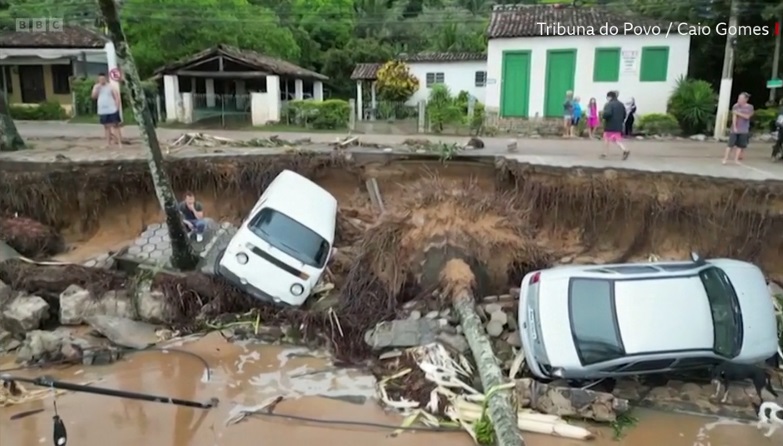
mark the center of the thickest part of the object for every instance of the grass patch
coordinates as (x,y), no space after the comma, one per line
(622,425)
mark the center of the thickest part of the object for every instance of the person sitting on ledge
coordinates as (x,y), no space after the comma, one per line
(193,215)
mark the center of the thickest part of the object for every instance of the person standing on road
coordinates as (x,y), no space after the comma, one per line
(568,113)
(739,137)
(614,124)
(108,104)
(630,117)
(578,112)
(592,117)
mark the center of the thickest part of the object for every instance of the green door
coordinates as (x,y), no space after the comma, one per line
(560,73)
(515,84)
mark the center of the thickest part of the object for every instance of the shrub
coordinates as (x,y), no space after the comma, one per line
(763,120)
(395,82)
(322,115)
(45,111)
(658,124)
(442,109)
(693,104)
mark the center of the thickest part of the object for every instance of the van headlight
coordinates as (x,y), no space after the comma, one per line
(242,258)
(297,289)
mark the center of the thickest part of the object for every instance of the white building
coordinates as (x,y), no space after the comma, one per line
(530,67)
(223,79)
(457,71)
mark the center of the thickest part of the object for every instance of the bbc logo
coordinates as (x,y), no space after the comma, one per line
(39,25)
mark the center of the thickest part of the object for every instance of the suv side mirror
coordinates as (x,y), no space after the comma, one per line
(697,258)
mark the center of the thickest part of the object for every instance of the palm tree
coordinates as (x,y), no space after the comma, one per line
(183,256)
(10,140)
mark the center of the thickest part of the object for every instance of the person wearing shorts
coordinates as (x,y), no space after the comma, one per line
(739,137)
(614,124)
(108,103)
(568,114)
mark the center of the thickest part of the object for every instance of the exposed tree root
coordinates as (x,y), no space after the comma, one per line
(30,238)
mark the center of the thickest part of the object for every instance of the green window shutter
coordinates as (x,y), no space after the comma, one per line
(606,66)
(655,64)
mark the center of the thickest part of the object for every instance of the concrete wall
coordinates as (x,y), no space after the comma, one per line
(651,97)
(458,76)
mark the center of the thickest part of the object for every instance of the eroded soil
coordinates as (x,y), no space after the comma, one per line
(590,217)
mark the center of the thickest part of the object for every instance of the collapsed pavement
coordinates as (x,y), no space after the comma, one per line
(536,216)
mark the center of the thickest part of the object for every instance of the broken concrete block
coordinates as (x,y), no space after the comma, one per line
(494,328)
(24,313)
(402,333)
(124,332)
(492,308)
(499,316)
(153,307)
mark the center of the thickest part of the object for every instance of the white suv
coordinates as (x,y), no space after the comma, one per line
(594,321)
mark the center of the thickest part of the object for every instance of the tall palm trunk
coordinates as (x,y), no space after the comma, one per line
(10,140)
(183,256)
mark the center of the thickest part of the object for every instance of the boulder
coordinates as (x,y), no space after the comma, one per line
(5,293)
(24,313)
(494,328)
(59,345)
(402,333)
(152,307)
(77,304)
(124,332)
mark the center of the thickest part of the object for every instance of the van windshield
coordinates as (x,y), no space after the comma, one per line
(290,236)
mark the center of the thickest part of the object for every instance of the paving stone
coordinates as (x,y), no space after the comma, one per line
(154,227)
(143,255)
(162,232)
(155,239)
(133,250)
(148,248)
(141,241)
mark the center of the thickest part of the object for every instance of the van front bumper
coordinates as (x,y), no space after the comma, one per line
(248,288)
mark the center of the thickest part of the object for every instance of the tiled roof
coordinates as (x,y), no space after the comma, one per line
(366,71)
(246,57)
(524,20)
(369,71)
(69,37)
(444,57)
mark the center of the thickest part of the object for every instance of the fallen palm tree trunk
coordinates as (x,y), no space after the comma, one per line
(526,420)
(569,402)
(458,280)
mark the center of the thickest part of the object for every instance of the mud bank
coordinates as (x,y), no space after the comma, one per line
(604,214)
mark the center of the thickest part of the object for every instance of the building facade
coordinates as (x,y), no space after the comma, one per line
(457,71)
(529,70)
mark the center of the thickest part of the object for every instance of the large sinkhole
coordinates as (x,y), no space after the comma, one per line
(501,218)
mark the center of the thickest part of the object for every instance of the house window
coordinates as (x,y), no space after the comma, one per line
(606,66)
(5,79)
(481,78)
(655,64)
(435,78)
(61,79)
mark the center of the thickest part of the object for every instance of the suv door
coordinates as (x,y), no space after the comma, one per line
(649,366)
(696,363)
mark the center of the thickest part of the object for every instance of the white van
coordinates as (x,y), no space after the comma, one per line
(283,247)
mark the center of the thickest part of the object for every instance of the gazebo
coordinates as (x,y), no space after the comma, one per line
(364,73)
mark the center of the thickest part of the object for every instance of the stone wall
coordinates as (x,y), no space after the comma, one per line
(524,126)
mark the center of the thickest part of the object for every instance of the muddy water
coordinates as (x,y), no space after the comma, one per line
(246,376)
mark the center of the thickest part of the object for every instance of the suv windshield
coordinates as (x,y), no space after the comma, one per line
(290,236)
(725,312)
(593,321)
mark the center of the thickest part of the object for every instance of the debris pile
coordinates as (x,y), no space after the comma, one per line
(211,141)
(442,390)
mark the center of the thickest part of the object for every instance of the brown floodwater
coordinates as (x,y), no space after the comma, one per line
(248,375)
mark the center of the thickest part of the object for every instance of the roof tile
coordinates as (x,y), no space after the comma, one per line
(525,20)
(69,37)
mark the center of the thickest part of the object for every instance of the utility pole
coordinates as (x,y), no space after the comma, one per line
(775,63)
(727,79)
(183,256)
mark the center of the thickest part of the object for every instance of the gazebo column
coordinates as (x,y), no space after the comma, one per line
(359,105)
